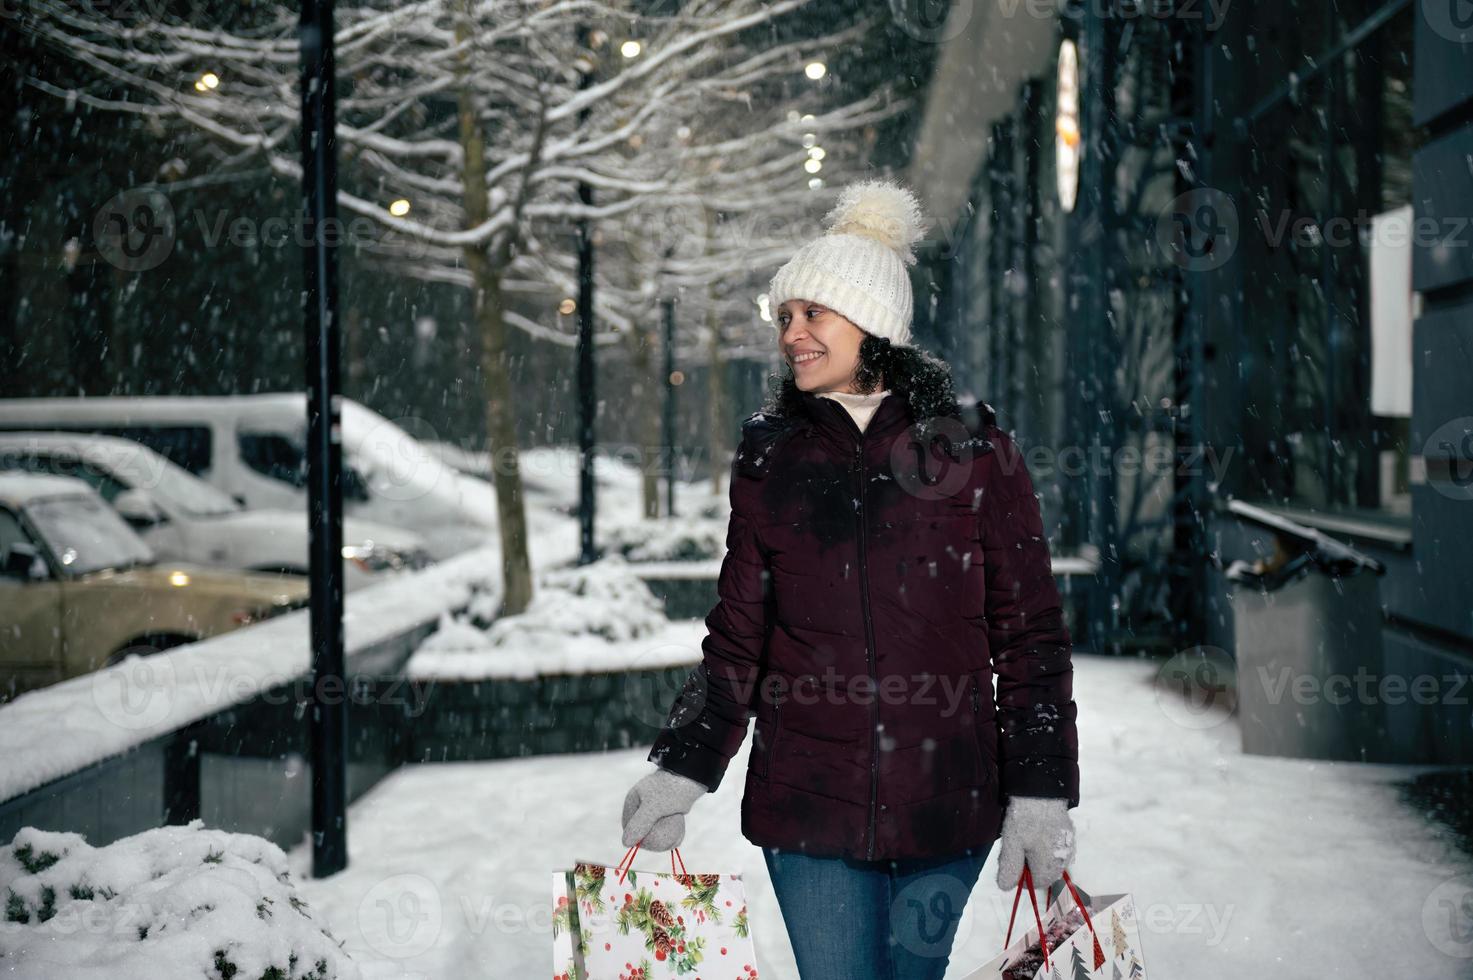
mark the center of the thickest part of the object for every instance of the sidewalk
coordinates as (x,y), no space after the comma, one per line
(1241,866)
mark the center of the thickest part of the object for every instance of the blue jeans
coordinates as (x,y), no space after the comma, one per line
(850,919)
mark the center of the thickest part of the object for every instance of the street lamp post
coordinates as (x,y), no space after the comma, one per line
(329,716)
(587,404)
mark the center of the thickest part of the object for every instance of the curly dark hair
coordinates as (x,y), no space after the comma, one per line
(923,379)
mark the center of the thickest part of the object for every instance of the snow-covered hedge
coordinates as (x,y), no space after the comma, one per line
(581,618)
(695,538)
(176,902)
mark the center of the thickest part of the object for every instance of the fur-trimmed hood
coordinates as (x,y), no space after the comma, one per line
(921,379)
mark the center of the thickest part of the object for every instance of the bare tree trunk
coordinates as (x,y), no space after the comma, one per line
(501,430)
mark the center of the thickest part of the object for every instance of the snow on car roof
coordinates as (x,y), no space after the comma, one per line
(60,438)
(18,489)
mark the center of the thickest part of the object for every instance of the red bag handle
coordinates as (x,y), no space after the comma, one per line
(1027,876)
(629,856)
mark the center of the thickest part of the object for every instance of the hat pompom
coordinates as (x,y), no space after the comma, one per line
(883,211)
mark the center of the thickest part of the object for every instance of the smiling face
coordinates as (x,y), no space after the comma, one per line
(821,346)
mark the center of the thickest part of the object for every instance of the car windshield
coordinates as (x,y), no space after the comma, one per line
(178,489)
(86,535)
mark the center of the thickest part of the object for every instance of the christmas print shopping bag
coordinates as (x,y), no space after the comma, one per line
(1071,947)
(622,924)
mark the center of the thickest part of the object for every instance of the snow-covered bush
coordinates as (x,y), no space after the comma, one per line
(175,902)
(669,539)
(577,616)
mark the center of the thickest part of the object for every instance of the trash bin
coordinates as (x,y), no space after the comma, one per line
(1307,640)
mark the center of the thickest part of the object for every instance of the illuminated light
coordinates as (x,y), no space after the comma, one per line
(677,377)
(208,81)
(630,49)
(1067,135)
(817,152)
(815,184)
(812,166)
(399,208)
(762,308)
(810,140)
(1067,130)
(178,578)
(567,307)
(816,70)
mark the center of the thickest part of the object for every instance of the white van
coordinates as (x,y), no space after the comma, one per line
(253,448)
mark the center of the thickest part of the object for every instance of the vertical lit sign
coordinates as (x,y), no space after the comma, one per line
(1066,126)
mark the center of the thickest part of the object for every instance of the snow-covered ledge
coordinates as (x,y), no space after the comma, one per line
(48,734)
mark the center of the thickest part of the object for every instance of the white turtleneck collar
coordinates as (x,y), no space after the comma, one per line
(860,407)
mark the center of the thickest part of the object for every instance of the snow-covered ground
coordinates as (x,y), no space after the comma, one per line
(1241,866)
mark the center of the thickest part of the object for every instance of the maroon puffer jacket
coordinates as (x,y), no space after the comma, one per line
(865,601)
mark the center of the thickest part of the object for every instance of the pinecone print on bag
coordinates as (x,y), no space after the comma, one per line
(660,914)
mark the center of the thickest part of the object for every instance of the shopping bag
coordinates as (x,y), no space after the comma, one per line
(1083,937)
(618,923)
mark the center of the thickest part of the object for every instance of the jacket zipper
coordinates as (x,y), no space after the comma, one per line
(869,633)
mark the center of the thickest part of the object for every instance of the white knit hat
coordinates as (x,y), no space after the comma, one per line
(858,268)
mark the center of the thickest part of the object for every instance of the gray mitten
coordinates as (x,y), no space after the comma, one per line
(1040,831)
(655,808)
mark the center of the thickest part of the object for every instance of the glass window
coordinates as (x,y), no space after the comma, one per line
(86,535)
(274,455)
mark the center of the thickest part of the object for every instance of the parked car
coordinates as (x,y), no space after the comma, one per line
(182,517)
(252,447)
(80,590)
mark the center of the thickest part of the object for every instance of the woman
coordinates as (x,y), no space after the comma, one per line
(883,560)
